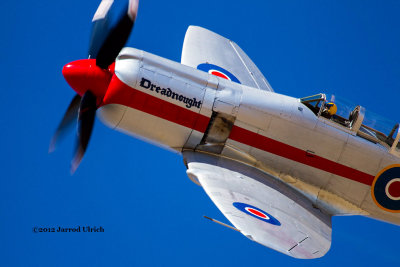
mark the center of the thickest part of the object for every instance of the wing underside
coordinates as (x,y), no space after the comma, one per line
(264,209)
(203,47)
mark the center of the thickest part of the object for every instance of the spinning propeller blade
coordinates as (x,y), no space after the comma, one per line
(117,36)
(105,45)
(86,116)
(68,119)
(100,27)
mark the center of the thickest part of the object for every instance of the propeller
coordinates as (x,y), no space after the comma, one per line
(86,116)
(117,38)
(90,78)
(66,122)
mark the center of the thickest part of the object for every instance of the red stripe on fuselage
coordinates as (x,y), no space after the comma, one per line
(120,93)
(286,151)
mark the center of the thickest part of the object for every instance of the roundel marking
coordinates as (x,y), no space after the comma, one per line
(385,189)
(392,189)
(218,71)
(219,74)
(256,213)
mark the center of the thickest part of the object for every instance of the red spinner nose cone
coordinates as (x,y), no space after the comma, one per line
(83,75)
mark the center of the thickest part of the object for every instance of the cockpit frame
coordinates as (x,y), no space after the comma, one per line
(354,123)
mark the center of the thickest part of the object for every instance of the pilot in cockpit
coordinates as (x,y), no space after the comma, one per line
(330,109)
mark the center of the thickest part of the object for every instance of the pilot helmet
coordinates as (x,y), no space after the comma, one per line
(332,108)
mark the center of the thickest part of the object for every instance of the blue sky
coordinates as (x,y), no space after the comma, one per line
(139,193)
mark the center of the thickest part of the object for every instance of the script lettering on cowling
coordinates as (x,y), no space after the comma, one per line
(190,102)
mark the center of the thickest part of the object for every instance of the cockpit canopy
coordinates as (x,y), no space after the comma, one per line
(353,118)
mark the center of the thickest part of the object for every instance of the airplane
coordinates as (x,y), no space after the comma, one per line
(276,166)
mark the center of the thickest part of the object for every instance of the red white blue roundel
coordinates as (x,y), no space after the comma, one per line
(385,189)
(256,213)
(218,71)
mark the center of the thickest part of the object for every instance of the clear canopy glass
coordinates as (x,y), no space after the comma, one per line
(366,124)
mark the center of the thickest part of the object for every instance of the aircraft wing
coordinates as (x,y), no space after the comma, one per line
(263,208)
(206,50)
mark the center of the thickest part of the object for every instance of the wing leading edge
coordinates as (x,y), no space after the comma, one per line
(206,50)
(264,209)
